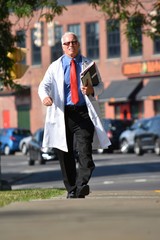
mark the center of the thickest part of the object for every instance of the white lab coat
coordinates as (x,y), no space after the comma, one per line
(54,130)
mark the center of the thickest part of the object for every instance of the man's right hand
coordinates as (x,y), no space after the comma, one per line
(47,101)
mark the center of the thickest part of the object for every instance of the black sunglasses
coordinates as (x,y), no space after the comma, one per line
(68,43)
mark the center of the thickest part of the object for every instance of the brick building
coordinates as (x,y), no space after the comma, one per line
(131,78)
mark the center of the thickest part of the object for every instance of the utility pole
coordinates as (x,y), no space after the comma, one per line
(4,185)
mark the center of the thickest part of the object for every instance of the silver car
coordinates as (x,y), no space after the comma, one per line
(126,139)
(23,145)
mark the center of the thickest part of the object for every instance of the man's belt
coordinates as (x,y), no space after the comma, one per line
(76,108)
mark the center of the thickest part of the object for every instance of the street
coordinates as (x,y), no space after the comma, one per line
(123,203)
(113,172)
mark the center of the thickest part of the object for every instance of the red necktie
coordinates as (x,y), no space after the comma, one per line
(74,83)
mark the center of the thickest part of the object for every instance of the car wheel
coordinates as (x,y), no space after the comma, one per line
(6,150)
(124,146)
(157,147)
(24,149)
(137,148)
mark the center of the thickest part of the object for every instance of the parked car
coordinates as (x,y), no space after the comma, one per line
(10,139)
(23,145)
(36,152)
(113,128)
(149,139)
(127,137)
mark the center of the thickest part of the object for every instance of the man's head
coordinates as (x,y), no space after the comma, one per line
(70,44)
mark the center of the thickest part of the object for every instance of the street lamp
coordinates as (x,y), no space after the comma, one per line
(38,34)
(51,36)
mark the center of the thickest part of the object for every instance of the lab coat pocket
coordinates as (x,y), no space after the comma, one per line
(50,115)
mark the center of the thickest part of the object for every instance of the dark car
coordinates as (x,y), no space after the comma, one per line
(10,139)
(149,139)
(113,128)
(127,137)
(36,152)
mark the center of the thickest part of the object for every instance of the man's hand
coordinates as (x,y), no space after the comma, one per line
(47,101)
(87,90)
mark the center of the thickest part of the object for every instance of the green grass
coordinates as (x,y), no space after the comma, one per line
(7,197)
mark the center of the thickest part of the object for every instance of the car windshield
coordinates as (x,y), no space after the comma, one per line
(21,132)
(116,124)
(139,123)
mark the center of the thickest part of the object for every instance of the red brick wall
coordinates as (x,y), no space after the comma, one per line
(110,69)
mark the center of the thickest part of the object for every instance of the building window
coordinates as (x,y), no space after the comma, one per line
(92,40)
(134,110)
(36,51)
(78,1)
(136,51)
(156,44)
(76,29)
(113,38)
(157,107)
(21,42)
(56,50)
(117,111)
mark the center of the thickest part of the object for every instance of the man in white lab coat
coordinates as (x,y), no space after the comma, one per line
(66,120)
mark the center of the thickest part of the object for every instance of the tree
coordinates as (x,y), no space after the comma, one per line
(21,8)
(134,14)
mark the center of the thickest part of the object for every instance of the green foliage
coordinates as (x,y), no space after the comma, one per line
(21,8)
(134,30)
(7,197)
(127,11)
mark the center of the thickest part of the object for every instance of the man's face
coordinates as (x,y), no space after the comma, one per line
(70,45)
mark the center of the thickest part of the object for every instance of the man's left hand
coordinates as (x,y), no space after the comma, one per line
(87,90)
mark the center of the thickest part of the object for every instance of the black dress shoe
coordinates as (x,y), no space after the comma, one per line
(71,194)
(82,191)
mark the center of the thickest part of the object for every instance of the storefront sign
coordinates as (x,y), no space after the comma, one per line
(139,69)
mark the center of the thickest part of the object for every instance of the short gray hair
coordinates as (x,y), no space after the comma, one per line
(68,33)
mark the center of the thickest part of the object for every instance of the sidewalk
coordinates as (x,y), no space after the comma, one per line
(123,215)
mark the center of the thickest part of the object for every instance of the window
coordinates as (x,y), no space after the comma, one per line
(157,107)
(76,29)
(134,110)
(156,43)
(36,51)
(78,1)
(135,52)
(113,38)
(21,41)
(138,30)
(92,40)
(117,111)
(56,50)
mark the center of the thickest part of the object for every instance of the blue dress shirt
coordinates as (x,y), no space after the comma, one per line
(67,92)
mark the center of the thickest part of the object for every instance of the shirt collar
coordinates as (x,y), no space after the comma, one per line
(68,59)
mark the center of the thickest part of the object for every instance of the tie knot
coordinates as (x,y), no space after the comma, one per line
(72,60)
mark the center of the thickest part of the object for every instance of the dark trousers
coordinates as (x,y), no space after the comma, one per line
(80,127)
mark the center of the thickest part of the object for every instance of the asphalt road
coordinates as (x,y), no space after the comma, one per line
(114,172)
(111,215)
